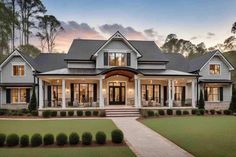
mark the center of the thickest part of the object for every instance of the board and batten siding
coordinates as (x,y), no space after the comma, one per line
(116,46)
(224,70)
(7,74)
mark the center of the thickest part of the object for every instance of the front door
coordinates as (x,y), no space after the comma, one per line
(117,93)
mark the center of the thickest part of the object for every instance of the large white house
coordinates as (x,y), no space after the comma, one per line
(117,71)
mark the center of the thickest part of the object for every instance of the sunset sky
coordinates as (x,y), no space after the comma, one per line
(209,21)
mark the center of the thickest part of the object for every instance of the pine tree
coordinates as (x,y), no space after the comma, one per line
(232,106)
(201,102)
(33,101)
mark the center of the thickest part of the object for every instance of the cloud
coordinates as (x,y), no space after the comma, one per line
(193,38)
(128,32)
(150,32)
(211,34)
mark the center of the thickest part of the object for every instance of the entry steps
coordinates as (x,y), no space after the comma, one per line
(122,112)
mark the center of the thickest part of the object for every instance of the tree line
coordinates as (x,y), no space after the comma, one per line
(22,19)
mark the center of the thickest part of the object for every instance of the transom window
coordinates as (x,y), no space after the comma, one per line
(18,70)
(215,69)
(213,94)
(117,59)
(18,95)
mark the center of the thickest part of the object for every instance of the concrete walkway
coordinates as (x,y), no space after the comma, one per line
(146,142)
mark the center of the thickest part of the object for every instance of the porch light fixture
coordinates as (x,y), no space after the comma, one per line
(67,90)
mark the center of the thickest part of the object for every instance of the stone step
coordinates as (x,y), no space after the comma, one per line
(122,112)
(122,115)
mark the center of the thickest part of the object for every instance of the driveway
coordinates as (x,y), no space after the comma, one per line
(146,142)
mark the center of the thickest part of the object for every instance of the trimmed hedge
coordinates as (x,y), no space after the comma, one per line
(47,114)
(54,113)
(150,113)
(169,112)
(185,112)
(48,139)
(212,112)
(227,112)
(219,112)
(24,141)
(34,113)
(117,136)
(2,139)
(61,139)
(3,112)
(100,137)
(12,140)
(80,113)
(63,113)
(201,111)
(88,113)
(70,113)
(95,113)
(161,112)
(194,111)
(87,138)
(36,140)
(73,138)
(178,112)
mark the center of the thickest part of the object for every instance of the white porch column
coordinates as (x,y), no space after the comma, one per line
(139,93)
(40,93)
(173,92)
(63,94)
(136,91)
(193,94)
(169,94)
(101,99)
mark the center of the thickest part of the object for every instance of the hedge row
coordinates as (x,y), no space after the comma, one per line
(79,113)
(20,112)
(60,140)
(161,112)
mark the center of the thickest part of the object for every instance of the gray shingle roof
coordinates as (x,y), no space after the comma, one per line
(83,50)
(177,62)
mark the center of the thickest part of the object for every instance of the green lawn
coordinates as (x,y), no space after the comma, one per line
(121,151)
(202,136)
(30,127)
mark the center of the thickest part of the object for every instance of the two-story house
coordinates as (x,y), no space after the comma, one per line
(117,71)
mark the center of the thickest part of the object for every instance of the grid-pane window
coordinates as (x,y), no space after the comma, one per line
(213,94)
(150,92)
(18,70)
(215,69)
(18,95)
(178,93)
(84,92)
(117,59)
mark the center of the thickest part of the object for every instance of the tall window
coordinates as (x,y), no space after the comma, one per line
(179,91)
(84,92)
(18,95)
(215,69)
(117,59)
(150,92)
(213,94)
(18,70)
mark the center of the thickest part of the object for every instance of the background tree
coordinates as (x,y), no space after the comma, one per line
(201,102)
(232,106)
(49,28)
(33,101)
(31,50)
(170,37)
(233,30)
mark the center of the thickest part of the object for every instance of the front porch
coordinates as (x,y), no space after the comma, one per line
(116,89)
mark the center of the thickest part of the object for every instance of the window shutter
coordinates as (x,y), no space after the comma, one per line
(221,93)
(205,95)
(183,94)
(128,59)
(49,96)
(95,92)
(159,93)
(105,58)
(72,92)
(8,96)
(28,95)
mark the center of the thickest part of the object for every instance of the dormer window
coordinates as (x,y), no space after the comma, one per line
(215,69)
(116,59)
(18,70)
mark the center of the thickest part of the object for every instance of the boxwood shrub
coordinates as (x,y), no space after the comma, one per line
(161,112)
(87,138)
(46,114)
(34,113)
(70,113)
(24,141)
(63,113)
(95,113)
(219,112)
(212,112)
(102,113)
(2,139)
(73,138)
(61,139)
(169,112)
(227,112)
(54,113)
(12,140)
(88,113)
(3,112)
(117,136)
(178,112)
(185,112)
(80,113)
(150,113)
(36,140)
(194,111)
(201,111)
(100,137)
(48,139)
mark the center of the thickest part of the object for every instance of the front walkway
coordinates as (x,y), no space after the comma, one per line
(145,142)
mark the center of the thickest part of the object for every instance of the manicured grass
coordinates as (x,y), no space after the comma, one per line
(121,151)
(202,136)
(30,127)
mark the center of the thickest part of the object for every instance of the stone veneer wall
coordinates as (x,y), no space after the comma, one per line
(217,105)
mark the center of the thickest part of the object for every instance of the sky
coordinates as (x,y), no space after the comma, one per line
(207,21)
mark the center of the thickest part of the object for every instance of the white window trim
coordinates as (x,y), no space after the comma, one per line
(16,64)
(118,51)
(212,63)
(18,96)
(219,95)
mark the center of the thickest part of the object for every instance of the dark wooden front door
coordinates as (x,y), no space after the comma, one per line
(117,93)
